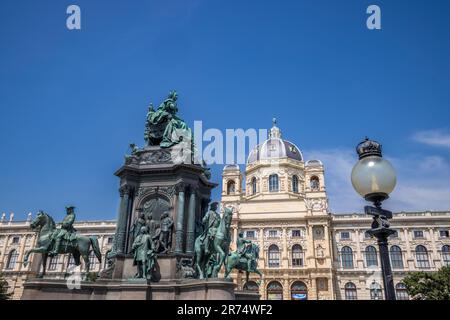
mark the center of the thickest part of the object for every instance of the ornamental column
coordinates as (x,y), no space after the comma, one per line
(179,225)
(190,234)
(121,229)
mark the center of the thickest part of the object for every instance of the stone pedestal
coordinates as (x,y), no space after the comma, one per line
(151,183)
(211,289)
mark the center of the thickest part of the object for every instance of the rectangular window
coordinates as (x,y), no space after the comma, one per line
(297,258)
(15,240)
(395,234)
(110,240)
(296,233)
(250,234)
(444,234)
(273,233)
(274,258)
(418,234)
(345,235)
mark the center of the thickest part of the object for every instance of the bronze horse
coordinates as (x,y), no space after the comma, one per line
(220,247)
(79,247)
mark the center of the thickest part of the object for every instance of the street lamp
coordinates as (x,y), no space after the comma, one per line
(374,179)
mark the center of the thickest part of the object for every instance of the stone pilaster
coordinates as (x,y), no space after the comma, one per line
(262,254)
(190,234)
(121,229)
(285,257)
(359,258)
(409,257)
(19,264)
(179,225)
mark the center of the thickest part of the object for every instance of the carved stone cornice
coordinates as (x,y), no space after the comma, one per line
(181,187)
(145,157)
(125,190)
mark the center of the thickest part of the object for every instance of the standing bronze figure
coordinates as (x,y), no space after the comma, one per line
(144,255)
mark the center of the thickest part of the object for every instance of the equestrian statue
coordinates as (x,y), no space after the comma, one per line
(213,244)
(52,241)
(245,258)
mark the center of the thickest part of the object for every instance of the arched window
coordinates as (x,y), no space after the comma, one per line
(231,187)
(12,259)
(274,291)
(347,258)
(422,257)
(273,183)
(371,256)
(375,291)
(53,263)
(295,184)
(251,286)
(314,183)
(396,257)
(299,291)
(274,256)
(254,185)
(446,255)
(297,255)
(350,291)
(401,292)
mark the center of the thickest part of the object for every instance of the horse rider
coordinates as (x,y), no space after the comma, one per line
(243,246)
(211,222)
(66,232)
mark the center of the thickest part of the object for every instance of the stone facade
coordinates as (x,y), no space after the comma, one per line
(281,204)
(421,243)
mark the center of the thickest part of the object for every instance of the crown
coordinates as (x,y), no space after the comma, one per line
(368,148)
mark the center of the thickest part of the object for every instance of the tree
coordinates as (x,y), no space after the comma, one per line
(429,285)
(4,295)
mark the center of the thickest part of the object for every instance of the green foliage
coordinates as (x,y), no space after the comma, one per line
(4,289)
(429,285)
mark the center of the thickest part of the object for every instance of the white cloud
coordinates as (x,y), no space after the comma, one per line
(437,138)
(423,183)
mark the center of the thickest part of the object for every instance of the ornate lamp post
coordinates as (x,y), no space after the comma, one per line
(374,179)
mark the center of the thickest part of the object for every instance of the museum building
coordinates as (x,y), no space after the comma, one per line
(280,203)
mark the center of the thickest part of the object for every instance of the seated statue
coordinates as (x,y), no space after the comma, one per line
(164,127)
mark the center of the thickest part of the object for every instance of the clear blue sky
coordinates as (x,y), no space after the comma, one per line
(71,101)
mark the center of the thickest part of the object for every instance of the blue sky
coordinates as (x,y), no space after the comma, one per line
(72,101)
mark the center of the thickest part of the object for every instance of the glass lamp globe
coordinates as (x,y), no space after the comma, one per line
(373,178)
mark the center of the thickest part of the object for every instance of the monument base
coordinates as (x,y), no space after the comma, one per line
(57,289)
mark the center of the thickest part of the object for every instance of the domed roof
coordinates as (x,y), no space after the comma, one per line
(313,163)
(231,167)
(275,148)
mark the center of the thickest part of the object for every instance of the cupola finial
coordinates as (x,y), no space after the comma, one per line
(275,132)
